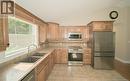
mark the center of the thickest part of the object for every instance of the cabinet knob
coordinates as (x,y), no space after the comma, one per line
(8,44)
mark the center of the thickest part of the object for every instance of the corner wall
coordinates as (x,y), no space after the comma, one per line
(120,27)
(128,40)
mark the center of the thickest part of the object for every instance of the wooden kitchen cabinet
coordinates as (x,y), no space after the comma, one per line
(64,55)
(52,62)
(64,30)
(53,31)
(87,56)
(101,25)
(42,33)
(4,41)
(61,55)
(63,33)
(45,67)
(42,75)
(74,29)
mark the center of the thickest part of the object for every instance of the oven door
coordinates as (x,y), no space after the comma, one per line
(75,57)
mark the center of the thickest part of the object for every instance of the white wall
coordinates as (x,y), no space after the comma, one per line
(128,35)
(121,29)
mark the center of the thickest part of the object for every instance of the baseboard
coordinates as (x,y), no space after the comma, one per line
(123,61)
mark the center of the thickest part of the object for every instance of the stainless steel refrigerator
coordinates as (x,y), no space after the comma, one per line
(103,50)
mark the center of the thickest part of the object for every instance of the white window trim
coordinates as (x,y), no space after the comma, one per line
(18,51)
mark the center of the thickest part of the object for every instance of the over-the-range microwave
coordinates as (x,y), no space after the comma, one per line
(74,36)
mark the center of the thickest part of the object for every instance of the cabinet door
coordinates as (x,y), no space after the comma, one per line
(63,33)
(102,26)
(42,33)
(57,56)
(46,69)
(42,75)
(52,60)
(64,55)
(3,33)
(53,31)
(87,56)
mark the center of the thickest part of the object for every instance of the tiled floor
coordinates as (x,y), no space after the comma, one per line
(82,73)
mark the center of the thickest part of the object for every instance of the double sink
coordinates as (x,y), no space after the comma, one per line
(33,58)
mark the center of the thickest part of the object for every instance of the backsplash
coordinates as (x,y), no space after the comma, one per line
(67,44)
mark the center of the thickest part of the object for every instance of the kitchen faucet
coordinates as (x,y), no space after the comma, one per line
(30,46)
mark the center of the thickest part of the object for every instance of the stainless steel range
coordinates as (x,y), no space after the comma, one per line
(75,55)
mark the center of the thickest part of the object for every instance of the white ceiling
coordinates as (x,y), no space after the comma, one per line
(68,12)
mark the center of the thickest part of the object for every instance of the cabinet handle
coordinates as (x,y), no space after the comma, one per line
(8,44)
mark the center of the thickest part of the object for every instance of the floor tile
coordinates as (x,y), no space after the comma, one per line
(62,72)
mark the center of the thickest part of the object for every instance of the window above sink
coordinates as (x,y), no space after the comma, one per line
(21,35)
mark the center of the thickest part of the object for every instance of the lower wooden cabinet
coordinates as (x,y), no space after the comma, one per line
(44,68)
(42,75)
(61,55)
(87,56)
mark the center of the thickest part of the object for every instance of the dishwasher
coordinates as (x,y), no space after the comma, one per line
(30,76)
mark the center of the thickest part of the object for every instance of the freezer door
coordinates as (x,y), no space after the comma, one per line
(103,41)
(103,62)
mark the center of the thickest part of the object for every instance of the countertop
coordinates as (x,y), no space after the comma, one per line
(17,71)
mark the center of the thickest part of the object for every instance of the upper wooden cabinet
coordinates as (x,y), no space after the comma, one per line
(76,29)
(4,42)
(101,25)
(64,30)
(42,33)
(53,31)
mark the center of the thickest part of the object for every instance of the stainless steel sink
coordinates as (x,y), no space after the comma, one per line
(33,58)
(38,54)
(30,59)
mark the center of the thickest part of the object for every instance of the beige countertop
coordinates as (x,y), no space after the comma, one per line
(17,71)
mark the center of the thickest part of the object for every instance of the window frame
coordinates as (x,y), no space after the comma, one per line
(24,49)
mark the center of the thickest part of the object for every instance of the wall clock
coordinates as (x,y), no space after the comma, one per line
(113,14)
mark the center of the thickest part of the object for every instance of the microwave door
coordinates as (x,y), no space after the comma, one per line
(74,36)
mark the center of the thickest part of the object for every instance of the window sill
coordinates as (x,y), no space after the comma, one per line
(8,57)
